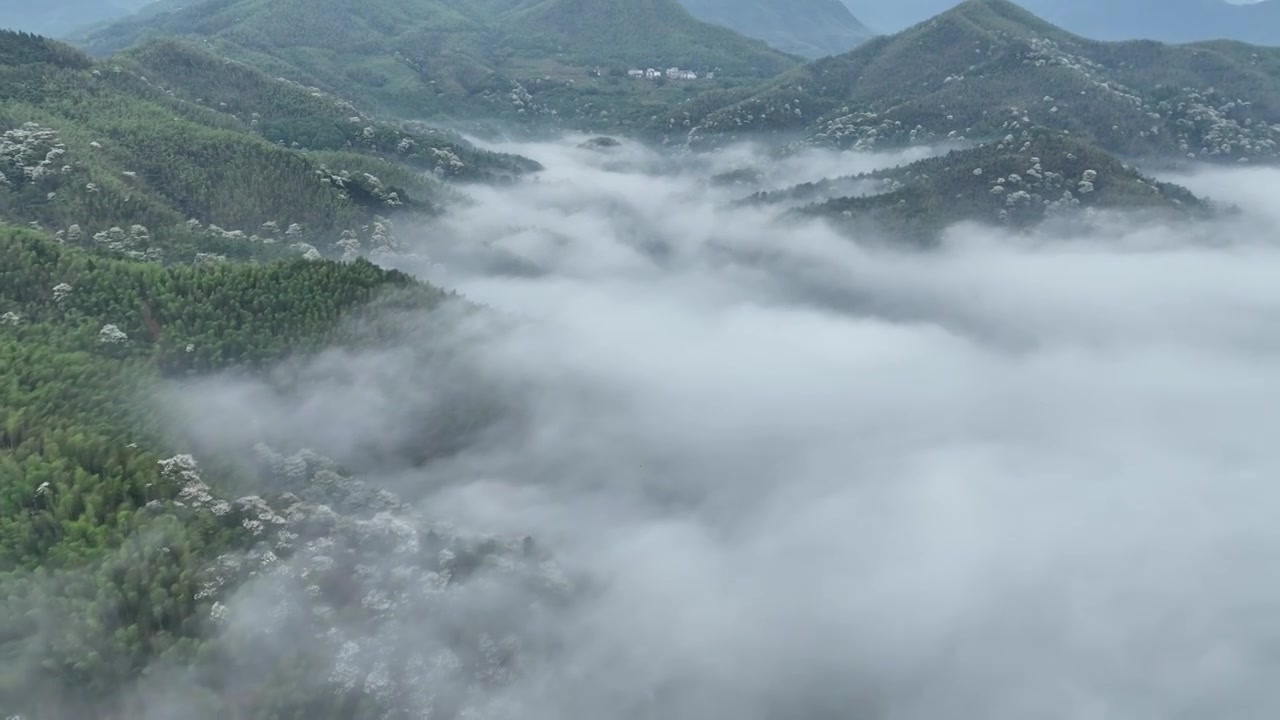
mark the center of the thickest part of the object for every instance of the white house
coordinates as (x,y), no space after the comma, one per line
(671,73)
(675,73)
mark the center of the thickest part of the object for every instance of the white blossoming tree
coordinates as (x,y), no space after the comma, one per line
(112,335)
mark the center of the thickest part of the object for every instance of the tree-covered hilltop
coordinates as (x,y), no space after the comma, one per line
(1018,183)
(808,28)
(120,554)
(296,116)
(83,337)
(988,67)
(635,32)
(548,62)
(119,154)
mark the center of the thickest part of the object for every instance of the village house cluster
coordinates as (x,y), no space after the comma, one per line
(673,73)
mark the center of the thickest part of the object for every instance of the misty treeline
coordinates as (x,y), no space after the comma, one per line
(107,532)
(118,549)
(1018,183)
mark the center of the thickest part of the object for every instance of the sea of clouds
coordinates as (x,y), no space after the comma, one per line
(795,475)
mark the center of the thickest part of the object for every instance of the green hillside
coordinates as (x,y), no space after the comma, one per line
(651,33)
(119,552)
(989,68)
(808,28)
(83,339)
(297,116)
(110,155)
(549,61)
(1038,176)
(180,204)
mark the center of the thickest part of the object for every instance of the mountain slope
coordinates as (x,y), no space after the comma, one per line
(809,28)
(122,553)
(289,114)
(110,157)
(638,32)
(988,69)
(499,59)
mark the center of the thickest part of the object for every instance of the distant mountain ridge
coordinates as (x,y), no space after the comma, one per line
(512,60)
(1174,21)
(809,28)
(989,69)
(57,18)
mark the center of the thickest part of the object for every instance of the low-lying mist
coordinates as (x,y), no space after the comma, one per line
(789,475)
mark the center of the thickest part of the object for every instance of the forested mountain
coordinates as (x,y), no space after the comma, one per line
(891,17)
(634,33)
(182,203)
(231,163)
(809,28)
(1174,21)
(522,61)
(60,17)
(118,551)
(290,114)
(1019,183)
(988,68)
(200,201)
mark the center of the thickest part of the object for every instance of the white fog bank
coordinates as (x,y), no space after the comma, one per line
(798,477)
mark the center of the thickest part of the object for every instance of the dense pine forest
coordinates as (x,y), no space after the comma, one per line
(89,487)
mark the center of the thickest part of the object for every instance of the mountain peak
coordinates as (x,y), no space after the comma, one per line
(809,28)
(1176,21)
(641,32)
(999,16)
(551,60)
(987,69)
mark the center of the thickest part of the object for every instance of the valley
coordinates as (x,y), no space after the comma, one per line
(463,359)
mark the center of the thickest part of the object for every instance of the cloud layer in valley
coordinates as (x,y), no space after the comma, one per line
(791,475)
